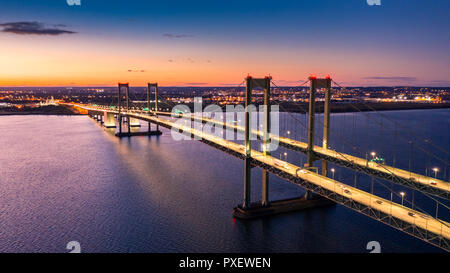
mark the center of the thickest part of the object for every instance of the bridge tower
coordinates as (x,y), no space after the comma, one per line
(252,83)
(250,210)
(119,104)
(316,83)
(149,86)
(131,122)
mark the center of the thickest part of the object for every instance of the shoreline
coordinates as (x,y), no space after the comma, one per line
(38,114)
(51,110)
(284,107)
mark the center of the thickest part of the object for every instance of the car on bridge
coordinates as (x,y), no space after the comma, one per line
(280,163)
(300,170)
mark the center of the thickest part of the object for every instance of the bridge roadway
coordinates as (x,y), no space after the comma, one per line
(420,225)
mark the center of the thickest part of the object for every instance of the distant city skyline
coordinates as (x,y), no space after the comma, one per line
(208,43)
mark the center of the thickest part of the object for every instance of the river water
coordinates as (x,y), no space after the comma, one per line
(65,178)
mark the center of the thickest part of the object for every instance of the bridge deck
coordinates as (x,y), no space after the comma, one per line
(415,223)
(417,181)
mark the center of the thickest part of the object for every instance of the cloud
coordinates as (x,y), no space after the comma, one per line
(33,28)
(193,83)
(188,60)
(439,82)
(176,36)
(230,85)
(136,70)
(391,78)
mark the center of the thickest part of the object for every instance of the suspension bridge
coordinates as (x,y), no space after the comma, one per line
(320,188)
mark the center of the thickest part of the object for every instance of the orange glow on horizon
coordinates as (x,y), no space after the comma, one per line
(93,62)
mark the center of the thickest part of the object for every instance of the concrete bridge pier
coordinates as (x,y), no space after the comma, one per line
(120,121)
(151,132)
(326,122)
(134,122)
(109,121)
(94,115)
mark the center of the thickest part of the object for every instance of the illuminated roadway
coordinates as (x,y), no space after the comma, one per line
(397,211)
(342,157)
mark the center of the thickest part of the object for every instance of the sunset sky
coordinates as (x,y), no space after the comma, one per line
(217,43)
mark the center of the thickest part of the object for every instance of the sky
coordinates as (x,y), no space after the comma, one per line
(219,43)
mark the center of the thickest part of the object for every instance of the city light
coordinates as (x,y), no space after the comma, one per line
(403,195)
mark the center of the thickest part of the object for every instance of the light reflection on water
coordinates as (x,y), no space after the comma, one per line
(65,178)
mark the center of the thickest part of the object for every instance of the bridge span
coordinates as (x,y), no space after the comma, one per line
(412,180)
(412,222)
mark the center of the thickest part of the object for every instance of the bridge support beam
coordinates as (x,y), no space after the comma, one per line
(318,83)
(266,142)
(128,109)
(119,104)
(326,123)
(120,123)
(248,146)
(311,121)
(251,84)
(149,86)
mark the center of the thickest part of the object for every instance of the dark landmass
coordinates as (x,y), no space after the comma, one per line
(298,107)
(44,110)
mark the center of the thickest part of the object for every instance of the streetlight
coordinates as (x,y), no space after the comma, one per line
(288,133)
(285,156)
(403,195)
(332,172)
(373,155)
(435,170)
